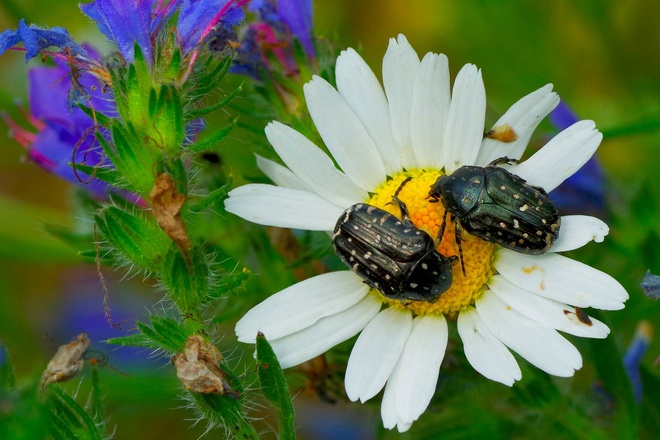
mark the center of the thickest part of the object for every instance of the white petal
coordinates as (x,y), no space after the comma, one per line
(376,352)
(315,340)
(484,351)
(465,123)
(361,90)
(400,66)
(546,311)
(430,108)
(540,345)
(523,117)
(578,230)
(313,166)
(344,134)
(301,305)
(280,175)
(562,279)
(388,412)
(283,207)
(561,157)
(412,383)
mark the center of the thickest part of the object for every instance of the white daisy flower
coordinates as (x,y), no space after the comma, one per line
(414,127)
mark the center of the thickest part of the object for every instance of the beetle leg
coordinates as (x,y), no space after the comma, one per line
(441,232)
(458,241)
(503,160)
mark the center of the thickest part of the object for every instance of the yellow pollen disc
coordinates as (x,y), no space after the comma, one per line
(427,216)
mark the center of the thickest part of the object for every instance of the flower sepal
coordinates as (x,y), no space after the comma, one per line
(166,117)
(186,279)
(130,157)
(134,238)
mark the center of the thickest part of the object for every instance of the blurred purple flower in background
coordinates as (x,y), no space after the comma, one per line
(80,308)
(633,357)
(64,133)
(281,22)
(583,192)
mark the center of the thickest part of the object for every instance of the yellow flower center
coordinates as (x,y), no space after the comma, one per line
(427,216)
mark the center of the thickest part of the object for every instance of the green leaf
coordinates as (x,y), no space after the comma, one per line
(166,334)
(138,88)
(207,83)
(206,143)
(210,199)
(108,175)
(274,386)
(186,279)
(166,126)
(69,418)
(224,411)
(132,158)
(99,117)
(97,408)
(137,340)
(177,169)
(139,240)
(174,66)
(228,283)
(194,114)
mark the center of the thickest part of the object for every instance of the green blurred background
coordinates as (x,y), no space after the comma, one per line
(603,58)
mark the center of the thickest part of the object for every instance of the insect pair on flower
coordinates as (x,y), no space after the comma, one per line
(401,261)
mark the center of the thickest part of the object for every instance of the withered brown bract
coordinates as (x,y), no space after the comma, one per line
(198,368)
(67,362)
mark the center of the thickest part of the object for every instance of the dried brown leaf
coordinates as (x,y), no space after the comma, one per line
(67,362)
(198,368)
(166,204)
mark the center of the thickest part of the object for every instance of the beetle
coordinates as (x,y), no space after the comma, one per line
(497,206)
(391,255)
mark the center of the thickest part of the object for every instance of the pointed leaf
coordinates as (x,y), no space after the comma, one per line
(206,143)
(274,386)
(186,279)
(194,114)
(139,240)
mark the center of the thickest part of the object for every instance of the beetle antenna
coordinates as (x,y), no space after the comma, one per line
(405,216)
(398,190)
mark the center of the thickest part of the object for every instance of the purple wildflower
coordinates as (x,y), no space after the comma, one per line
(64,134)
(36,40)
(583,192)
(130,22)
(199,18)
